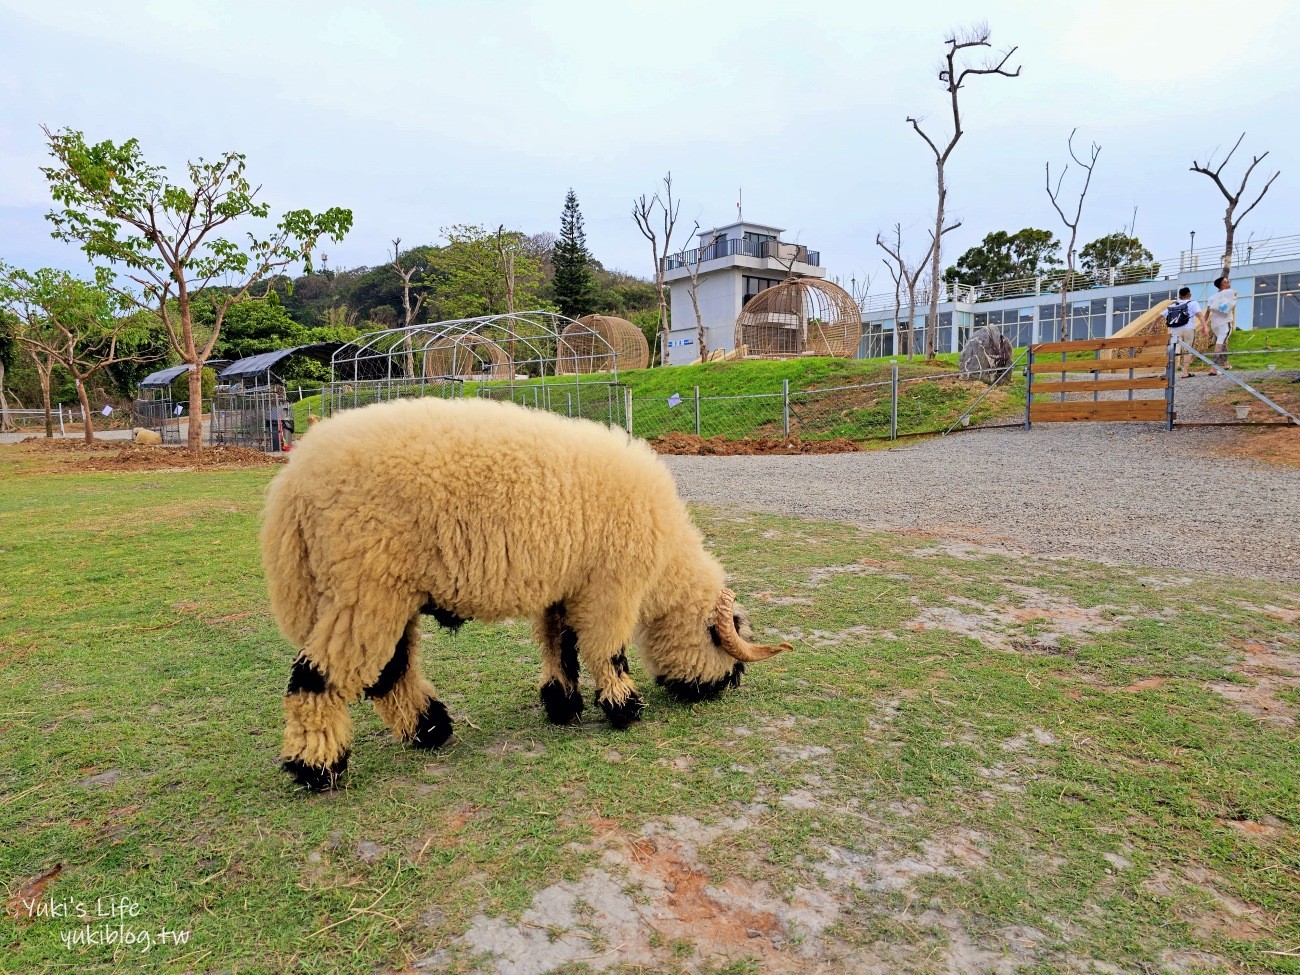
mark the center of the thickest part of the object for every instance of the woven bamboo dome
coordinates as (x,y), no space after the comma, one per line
(583,345)
(802,316)
(466,354)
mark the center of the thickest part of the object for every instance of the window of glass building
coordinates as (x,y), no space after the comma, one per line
(1265,302)
(755,285)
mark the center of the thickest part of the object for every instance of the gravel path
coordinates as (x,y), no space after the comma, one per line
(1110,492)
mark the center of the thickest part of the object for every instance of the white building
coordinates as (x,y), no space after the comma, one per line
(1266,277)
(733,264)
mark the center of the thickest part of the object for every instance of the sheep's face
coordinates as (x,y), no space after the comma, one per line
(696,657)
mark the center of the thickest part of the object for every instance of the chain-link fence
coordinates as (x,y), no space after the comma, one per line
(605,403)
(335,397)
(897,407)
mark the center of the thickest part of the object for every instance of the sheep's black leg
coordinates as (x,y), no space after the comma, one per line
(559,687)
(317,729)
(604,621)
(405,700)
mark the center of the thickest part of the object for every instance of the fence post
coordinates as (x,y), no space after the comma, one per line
(785,406)
(61,430)
(1170,373)
(1029,385)
(627,409)
(697,411)
(569,397)
(893,399)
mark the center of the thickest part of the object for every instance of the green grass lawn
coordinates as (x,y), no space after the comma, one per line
(1102,769)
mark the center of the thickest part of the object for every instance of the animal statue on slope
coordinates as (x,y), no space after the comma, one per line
(465,509)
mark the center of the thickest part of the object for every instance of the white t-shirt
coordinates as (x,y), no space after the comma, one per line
(1221,305)
(1193,309)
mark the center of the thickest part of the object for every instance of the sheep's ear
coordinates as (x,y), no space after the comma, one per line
(713,635)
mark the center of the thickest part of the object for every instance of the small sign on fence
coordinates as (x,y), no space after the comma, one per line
(107,411)
(675,399)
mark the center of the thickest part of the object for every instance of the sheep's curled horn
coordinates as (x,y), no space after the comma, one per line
(732,642)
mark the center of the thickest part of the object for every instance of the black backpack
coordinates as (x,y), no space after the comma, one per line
(1178,314)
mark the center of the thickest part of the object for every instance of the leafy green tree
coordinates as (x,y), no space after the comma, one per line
(1001,257)
(172,248)
(471,277)
(75,324)
(1120,253)
(574,285)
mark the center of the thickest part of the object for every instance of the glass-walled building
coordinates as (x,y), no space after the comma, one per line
(1268,296)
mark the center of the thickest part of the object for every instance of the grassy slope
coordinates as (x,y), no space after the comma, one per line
(134,636)
(925,406)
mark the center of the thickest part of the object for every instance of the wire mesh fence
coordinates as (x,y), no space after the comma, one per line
(338,396)
(257,418)
(605,403)
(898,407)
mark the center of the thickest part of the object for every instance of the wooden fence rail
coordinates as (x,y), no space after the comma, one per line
(1145,353)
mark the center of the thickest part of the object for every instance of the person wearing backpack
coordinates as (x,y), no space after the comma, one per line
(1180,319)
(1222,304)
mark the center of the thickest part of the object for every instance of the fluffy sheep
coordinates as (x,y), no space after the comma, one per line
(150,438)
(465,509)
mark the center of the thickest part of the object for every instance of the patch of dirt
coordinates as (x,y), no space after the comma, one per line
(123,455)
(883,871)
(1271,444)
(685,444)
(24,900)
(1270,669)
(1230,918)
(999,625)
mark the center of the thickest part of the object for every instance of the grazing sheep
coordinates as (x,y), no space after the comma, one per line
(150,438)
(312,419)
(467,509)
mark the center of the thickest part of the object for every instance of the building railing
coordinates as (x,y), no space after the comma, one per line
(1245,253)
(731,246)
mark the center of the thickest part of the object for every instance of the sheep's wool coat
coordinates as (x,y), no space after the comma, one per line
(487,510)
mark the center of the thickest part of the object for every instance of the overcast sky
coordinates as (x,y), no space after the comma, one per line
(419,115)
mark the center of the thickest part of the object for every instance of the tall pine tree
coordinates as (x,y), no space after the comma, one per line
(575,285)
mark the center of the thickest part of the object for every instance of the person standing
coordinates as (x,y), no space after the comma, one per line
(1180,318)
(1222,307)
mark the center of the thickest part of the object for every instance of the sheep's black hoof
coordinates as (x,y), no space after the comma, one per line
(623,714)
(317,778)
(562,707)
(433,727)
(692,691)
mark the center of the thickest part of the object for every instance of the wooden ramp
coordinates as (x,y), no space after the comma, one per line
(1119,368)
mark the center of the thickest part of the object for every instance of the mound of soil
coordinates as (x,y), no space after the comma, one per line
(63,445)
(123,455)
(133,457)
(685,444)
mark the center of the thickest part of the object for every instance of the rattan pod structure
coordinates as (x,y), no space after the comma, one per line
(581,344)
(465,354)
(802,316)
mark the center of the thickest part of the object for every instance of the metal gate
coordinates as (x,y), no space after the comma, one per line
(258,418)
(159,415)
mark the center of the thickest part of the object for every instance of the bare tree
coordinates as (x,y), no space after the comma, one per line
(894,264)
(643,212)
(909,275)
(953,76)
(1229,223)
(692,265)
(1055,197)
(409,311)
(408,274)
